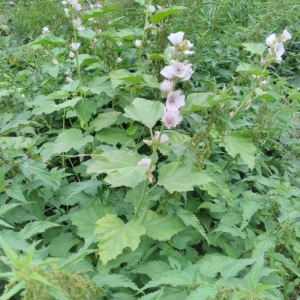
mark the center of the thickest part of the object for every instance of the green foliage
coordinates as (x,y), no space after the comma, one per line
(103,197)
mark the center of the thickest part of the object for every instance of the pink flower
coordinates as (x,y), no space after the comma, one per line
(182,70)
(175,100)
(166,86)
(278,49)
(163,137)
(167,72)
(176,38)
(171,118)
(145,161)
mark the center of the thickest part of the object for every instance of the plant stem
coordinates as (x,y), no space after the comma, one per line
(146,181)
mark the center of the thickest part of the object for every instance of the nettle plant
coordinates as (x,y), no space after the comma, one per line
(155,186)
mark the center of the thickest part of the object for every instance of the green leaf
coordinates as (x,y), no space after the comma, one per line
(255,48)
(121,76)
(105,120)
(99,12)
(114,281)
(16,192)
(236,143)
(70,138)
(61,245)
(116,236)
(11,255)
(162,228)
(145,111)
(14,290)
(101,85)
(163,13)
(250,69)
(35,228)
(202,293)
(177,177)
(189,219)
(199,101)
(234,267)
(48,39)
(125,33)
(150,81)
(152,268)
(114,136)
(7,207)
(85,219)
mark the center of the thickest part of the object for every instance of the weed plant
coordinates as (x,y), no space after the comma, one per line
(149,150)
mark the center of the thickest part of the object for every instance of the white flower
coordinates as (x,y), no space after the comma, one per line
(166,86)
(167,72)
(182,70)
(119,59)
(171,118)
(176,38)
(75,4)
(68,72)
(285,36)
(67,12)
(71,54)
(172,52)
(64,3)
(78,25)
(45,29)
(145,161)
(279,50)
(137,43)
(119,43)
(271,39)
(69,79)
(175,100)
(163,137)
(151,8)
(54,61)
(75,46)
(188,52)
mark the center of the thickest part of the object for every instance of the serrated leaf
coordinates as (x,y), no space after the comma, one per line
(249,209)
(172,277)
(234,267)
(152,268)
(189,219)
(48,39)
(250,69)
(34,228)
(114,136)
(255,48)
(105,120)
(162,228)
(116,236)
(61,245)
(236,143)
(114,281)
(11,254)
(262,245)
(210,265)
(100,85)
(163,13)
(13,290)
(70,138)
(122,76)
(7,207)
(145,111)
(177,177)
(85,219)
(203,292)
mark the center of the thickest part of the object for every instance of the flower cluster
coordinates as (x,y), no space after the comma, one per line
(176,72)
(73,3)
(276,48)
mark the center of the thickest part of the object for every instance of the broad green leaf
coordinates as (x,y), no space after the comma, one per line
(16,192)
(114,281)
(70,138)
(162,228)
(35,228)
(287,263)
(122,76)
(131,178)
(115,236)
(86,59)
(199,101)
(203,292)
(87,33)
(48,39)
(105,120)
(177,177)
(152,268)
(233,268)
(38,171)
(263,244)
(61,245)
(85,219)
(249,209)
(236,143)
(11,254)
(5,224)
(94,13)
(255,48)
(125,33)
(7,207)
(100,85)
(145,111)
(114,136)
(150,81)
(250,69)
(163,13)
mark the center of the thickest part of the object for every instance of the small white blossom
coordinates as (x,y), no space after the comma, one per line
(75,46)
(45,29)
(285,36)
(137,43)
(69,79)
(163,137)
(54,61)
(64,3)
(119,59)
(71,54)
(271,39)
(66,12)
(151,8)
(145,161)
(68,72)
(176,38)
(166,86)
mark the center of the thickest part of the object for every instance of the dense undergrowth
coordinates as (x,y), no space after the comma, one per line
(136,163)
